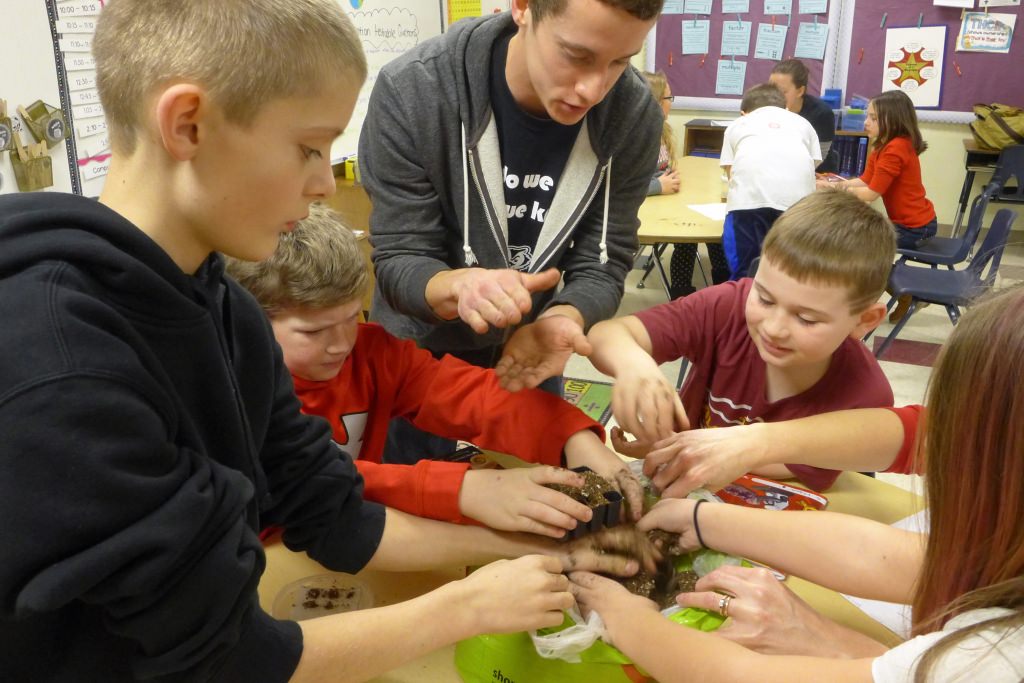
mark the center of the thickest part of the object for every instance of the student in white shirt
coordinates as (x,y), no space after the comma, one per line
(770,155)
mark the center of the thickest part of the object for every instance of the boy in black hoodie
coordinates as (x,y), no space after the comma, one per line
(148,427)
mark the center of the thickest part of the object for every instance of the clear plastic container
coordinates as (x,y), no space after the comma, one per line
(320,595)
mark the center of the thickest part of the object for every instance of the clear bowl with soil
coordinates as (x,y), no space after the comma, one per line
(320,595)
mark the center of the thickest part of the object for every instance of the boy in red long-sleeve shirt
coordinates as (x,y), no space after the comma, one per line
(357,376)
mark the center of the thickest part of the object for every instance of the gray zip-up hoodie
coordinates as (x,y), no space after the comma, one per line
(429,158)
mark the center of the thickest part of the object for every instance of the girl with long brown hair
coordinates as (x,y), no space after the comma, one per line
(893,170)
(965,578)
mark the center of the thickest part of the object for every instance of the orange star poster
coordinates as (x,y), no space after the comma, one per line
(913,63)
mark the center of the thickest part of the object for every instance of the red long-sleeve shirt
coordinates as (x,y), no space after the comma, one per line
(386,377)
(895,173)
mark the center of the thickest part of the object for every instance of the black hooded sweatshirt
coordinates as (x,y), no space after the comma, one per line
(148,430)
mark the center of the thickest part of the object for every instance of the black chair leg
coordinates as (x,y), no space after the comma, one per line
(896,330)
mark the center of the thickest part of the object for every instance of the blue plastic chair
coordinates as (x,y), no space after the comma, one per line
(949,288)
(949,251)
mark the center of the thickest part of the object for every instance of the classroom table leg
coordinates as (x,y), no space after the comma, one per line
(965,195)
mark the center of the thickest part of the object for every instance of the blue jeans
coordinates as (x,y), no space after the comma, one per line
(742,237)
(910,238)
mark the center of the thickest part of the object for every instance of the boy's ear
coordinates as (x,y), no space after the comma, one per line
(180,109)
(870,318)
(519,9)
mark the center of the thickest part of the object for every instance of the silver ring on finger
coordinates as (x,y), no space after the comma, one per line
(723,605)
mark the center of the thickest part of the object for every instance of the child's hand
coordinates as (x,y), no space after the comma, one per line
(711,458)
(608,598)
(633,449)
(646,405)
(509,596)
(669,182)
(540,350)
(584,449)
(517,500)
(674,515)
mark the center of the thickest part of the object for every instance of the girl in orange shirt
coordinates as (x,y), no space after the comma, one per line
(893,170)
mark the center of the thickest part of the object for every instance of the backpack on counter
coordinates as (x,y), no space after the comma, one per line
(998,125)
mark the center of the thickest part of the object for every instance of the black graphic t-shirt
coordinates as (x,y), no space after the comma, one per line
(533,153)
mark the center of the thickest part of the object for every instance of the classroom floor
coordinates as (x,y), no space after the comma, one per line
(907,364)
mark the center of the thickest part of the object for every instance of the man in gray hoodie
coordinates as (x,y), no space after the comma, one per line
(508,153)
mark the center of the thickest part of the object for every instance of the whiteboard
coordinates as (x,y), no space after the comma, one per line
(387,28)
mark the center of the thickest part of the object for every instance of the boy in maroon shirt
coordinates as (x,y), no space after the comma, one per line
(782,345)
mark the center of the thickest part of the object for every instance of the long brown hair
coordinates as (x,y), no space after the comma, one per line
(974,465)
(659,86)
(897,118)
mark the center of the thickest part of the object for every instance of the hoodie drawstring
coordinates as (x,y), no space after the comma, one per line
(604,223)
(466,249)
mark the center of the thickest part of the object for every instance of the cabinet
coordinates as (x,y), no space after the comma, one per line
(702,138)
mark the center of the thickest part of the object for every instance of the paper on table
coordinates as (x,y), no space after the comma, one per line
(893,616)
(715,212)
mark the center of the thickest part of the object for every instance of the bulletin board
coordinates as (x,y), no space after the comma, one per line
(692,78)
(967,78)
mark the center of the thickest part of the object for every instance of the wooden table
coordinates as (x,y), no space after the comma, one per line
(668,219)
(853,494)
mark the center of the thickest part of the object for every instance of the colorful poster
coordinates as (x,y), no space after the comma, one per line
(735,6)
(697,7)
(695,36)
(811,40)
(735,38)
(771,41)
(731,77)
(913,63)
(986,32)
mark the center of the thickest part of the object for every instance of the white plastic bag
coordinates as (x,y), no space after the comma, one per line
(568,643)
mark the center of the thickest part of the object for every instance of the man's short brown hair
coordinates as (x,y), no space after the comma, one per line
(762,95)
(641,9)
(832,238)
(316,265)
(244,52)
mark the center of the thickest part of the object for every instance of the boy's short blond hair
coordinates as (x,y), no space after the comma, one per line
(833,238)
(316,265)
(244,52)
